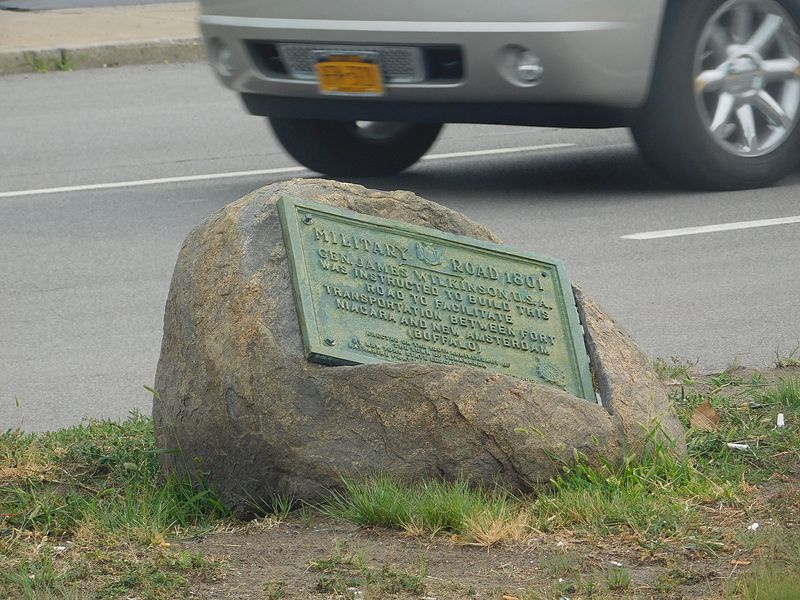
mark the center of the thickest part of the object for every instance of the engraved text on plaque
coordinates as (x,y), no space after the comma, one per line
(373,290)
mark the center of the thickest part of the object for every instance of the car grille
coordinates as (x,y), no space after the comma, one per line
(399,64)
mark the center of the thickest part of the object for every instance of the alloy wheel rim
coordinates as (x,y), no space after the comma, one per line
(747,76)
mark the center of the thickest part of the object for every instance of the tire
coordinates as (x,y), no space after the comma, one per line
(353,149)
(695,128)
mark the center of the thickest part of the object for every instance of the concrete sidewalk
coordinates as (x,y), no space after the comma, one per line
(81,38)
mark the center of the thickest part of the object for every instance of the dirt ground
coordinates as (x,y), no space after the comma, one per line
(280,561)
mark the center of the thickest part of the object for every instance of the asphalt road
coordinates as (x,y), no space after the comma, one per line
(84,272)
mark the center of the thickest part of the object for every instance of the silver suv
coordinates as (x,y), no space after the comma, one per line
(710,88)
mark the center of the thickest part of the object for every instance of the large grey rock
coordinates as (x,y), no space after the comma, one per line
(238,402)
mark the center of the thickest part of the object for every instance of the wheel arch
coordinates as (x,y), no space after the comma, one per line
(666,8)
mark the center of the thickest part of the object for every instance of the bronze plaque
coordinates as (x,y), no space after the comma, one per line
(372,290)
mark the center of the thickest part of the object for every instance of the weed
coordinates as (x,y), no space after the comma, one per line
(576,585)
(275,590)
(776,576)
(785,393)
(655,495)
(281,506)
(341,571)
(36,62)
(674,370)
(675,577)
(618,579)
(66,62)
(159,576)
(422,566)
(790,360)
(33,578)
(40,64)
(734,365)
(304,513)
(724,380)
(589,586)
(561,564)
(336,583)
(394,582)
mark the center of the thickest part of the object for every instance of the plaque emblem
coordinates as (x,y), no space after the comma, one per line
(429,253)
(551,373)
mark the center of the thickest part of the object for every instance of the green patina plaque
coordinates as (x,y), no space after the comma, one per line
(371,290)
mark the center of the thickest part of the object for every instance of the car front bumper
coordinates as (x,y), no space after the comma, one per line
(597,54)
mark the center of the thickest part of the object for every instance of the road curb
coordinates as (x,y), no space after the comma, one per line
(170,50)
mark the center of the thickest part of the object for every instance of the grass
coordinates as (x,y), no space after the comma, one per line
(785,393)
(473,514)
(748,415)
(87,509)
(777,574)
(654,497)
(85,512)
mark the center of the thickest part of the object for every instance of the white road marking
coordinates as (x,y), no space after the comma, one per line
(653,235)
(496,151)
(141,182)
(236,174)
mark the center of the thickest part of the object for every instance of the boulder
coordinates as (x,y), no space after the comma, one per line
(238,402)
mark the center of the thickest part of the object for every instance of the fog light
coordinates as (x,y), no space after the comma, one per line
(222,57)
(528,67)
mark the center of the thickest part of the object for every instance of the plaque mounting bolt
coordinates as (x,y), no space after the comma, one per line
(308,219)
(329,341)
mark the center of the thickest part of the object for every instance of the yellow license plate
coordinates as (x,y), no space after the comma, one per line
(349,74)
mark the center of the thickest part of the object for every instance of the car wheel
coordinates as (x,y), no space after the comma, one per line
(725,100)
(355,148)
